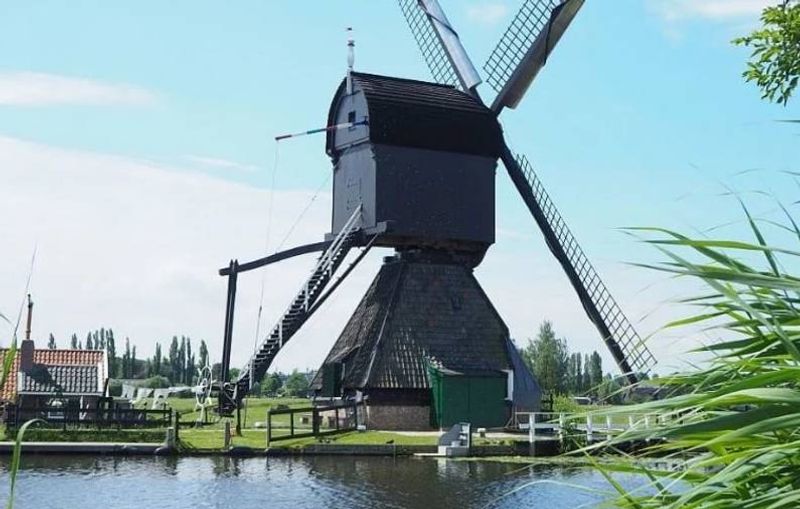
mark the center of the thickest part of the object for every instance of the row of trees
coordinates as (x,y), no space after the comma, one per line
(179,366)
(561,372)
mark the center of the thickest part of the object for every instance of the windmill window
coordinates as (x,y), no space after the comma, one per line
(456,302)
(351,118)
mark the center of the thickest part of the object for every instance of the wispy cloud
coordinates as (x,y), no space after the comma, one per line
(23,88)
(219,163)
(715,10)
(487,13)
(159,234)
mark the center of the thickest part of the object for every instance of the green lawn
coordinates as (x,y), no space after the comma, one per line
(212,439)
(255,410)
(210,436)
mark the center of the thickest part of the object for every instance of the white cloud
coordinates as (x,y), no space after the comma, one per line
(487,13)
(39,89)
(715,10)
(224,164)
(136,246)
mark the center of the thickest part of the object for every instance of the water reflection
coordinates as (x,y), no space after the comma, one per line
(331,482)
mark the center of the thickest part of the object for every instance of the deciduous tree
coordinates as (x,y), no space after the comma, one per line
(203,362)
(271,384)
(546,355)
(296,385)
(775,61)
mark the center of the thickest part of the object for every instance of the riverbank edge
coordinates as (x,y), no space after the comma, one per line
(150,449)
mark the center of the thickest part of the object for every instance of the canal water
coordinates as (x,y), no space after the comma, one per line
(329,482)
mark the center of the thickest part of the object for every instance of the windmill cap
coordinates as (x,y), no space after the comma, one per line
(421,114)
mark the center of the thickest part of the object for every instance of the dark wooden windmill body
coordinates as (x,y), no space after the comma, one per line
(414,170)
(423,171)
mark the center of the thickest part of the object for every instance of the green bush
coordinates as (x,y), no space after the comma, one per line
(155,382)
(114,388)
(566,405)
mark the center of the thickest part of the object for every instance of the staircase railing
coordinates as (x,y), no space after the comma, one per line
(301,307)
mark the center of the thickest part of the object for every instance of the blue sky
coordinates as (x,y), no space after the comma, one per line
(141,130)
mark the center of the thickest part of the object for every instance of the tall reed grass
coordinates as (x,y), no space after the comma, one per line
(732,428)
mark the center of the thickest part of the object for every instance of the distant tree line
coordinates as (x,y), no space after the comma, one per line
(563,373)
(293,385)
(179,366)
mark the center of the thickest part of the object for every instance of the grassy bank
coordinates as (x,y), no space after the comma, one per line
(34,434)
(200,439)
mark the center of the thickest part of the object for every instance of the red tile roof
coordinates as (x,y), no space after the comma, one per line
(49,357)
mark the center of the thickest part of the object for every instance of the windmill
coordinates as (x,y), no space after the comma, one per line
(414,168)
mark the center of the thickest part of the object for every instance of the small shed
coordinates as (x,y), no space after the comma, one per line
(40,378)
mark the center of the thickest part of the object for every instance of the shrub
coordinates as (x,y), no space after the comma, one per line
(155,382)
(114,388)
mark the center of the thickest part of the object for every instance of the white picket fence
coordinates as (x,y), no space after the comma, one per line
(596,426)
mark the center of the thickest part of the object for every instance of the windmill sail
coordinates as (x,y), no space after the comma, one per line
(524,48)
(629,351)
(446,58)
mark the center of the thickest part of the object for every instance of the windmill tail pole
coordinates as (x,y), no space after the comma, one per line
(336,127)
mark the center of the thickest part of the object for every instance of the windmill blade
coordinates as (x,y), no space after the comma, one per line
(446,57)
(524,48)
(627,348)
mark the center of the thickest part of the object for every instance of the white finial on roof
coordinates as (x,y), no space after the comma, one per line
(351,59)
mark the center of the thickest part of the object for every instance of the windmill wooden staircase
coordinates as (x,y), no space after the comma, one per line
(300,309)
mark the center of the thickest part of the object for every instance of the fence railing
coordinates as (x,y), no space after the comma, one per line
(595,426)
(64,417)
(288,423)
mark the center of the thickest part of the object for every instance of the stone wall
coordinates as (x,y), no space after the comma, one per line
(398,417)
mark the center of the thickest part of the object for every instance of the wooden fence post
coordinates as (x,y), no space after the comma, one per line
(531,427)
(227,437)
(269,426)
(589,428)
(561,422)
